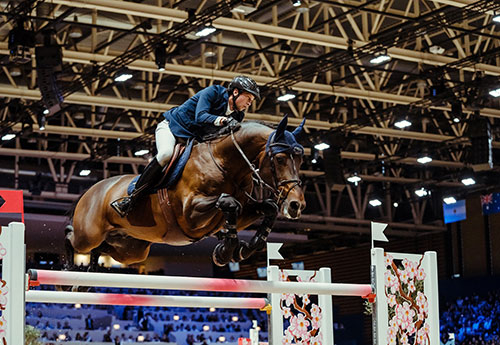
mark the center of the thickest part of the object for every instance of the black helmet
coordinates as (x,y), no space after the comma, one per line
(243,83)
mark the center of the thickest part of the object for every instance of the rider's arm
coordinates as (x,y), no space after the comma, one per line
(207,97)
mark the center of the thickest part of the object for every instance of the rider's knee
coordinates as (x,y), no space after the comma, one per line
(164,157)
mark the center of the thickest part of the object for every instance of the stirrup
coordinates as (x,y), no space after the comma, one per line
(122,206)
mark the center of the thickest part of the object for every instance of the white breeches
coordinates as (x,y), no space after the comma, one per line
(165,143)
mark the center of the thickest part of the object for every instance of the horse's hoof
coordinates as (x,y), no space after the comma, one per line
(216,256)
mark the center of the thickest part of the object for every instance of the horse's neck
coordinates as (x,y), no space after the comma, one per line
(252,143)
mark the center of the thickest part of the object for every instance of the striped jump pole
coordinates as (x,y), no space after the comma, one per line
(46,277)
(69,297)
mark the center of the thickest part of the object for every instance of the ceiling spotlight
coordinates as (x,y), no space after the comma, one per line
(286,97)
(496,18)
(123,75)
(456,120)
(245,7)
(8,137)
(380,58)
(436,50)
(321,146)
(207,30)
(468,181)
(375,202)
(421,192)
(46,112)
(395,204)
(296,3)
(141,152)
(15,71)
(41,121)
(160,57)
(449,200)
(402,124)
(354,178)
(495,93)
(84,172)
(424,159)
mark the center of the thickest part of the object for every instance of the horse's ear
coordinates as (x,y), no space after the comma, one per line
(280,131)
(299,129)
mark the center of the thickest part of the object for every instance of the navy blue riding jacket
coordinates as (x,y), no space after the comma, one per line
(196,116)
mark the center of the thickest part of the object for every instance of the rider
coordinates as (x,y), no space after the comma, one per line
(212,107)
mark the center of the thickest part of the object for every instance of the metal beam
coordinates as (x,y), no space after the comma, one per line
(266,30)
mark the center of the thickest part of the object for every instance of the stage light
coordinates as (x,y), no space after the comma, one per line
(395,204)
(207,30)
(141,152)
(424,159)
(321,146)
(245,7)
(41,121)
(8,137)
(495,93)
(296,3)
(123,75)
(354,178)
(469,181)
(375,202)
(402,124)
(436,50)
(160,57)
(286,97)
(84,172)
(496,18)
(421,192)
(456,120)
(380,58)
(449,200)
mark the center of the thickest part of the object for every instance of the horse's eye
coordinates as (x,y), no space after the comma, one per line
(280,159)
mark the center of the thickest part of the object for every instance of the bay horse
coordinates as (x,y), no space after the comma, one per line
(213,195)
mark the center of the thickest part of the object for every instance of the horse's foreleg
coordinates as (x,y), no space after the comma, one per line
(224,251)
(269,209)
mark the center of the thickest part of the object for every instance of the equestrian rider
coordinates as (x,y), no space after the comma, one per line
(212,107)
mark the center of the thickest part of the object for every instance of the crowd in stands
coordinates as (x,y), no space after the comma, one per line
(472,320)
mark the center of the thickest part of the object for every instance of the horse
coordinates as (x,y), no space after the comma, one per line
(212,196)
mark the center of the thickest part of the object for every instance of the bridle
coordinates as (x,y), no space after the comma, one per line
(279,185)
(278,190)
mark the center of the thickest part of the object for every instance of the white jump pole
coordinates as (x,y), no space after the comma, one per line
(69,297)
(46,277)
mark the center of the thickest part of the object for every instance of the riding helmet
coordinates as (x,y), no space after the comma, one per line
(247,84)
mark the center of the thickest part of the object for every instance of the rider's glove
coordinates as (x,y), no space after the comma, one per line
(220,121)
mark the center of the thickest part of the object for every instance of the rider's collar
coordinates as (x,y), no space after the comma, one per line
(288,145)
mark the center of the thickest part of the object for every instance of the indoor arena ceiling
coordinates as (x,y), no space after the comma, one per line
(436,64)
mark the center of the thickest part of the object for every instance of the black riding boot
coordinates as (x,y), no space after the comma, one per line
(148,179)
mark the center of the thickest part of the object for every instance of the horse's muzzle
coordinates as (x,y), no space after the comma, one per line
(292,209)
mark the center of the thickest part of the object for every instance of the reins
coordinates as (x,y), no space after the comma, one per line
(276,191)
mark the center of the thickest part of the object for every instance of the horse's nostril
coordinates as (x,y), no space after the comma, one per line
(295,205)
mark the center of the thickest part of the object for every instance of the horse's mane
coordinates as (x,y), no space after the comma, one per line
(255,129)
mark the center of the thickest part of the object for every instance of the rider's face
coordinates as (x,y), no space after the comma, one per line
(243,101)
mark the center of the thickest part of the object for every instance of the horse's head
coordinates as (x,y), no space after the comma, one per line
(285,157)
